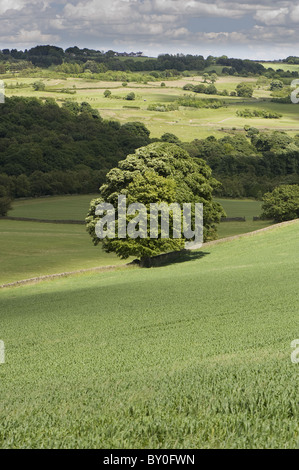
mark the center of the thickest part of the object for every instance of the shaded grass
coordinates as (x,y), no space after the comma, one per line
(30,249)
(247,208)
(53,208)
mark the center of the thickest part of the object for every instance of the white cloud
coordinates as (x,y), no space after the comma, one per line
(150,23)
(17,5)
(272,17)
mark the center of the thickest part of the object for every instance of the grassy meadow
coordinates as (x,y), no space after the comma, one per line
(247,208)
(76,207)
(186,123)
(30,249)
(282,66)
(191,355)
(34,249)
(53,208)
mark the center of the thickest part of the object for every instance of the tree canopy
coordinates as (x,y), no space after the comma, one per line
(282,204)
(46,149)
(159,172)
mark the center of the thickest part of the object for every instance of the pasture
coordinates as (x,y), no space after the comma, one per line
(186,123)
(31,249)
(53,208)
(75,207)
(191,355)
(282,66)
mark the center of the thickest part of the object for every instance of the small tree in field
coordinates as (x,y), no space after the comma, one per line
(39,86)
(244,90)
(276,85)
(130,96)
(5,202)
(282,204)
(160,172)
(107,94)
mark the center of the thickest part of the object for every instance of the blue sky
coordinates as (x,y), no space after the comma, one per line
(264,30)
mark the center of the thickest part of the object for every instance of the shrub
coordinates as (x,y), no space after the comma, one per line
(261,113)
(107,93)
(282,204)
(39,86)
(131,96)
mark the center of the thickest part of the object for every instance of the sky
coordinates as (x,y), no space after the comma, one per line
(264,30)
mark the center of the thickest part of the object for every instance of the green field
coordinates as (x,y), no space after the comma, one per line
(247,208)
(186,123)
(191,355)
(76,207)
(30,249)
(53,208)
(281,66)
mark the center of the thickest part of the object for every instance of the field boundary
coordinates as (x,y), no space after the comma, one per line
(130,265)
(46,277)
(44,221)
(249,234)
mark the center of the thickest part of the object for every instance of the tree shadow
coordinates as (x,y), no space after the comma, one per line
(183,258)
(167,259)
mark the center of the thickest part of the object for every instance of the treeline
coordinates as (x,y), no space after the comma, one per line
(252,164)
(100,61)
(74,60)
(291,60)
(45,149)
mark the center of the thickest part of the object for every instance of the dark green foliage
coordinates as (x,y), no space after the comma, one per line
(163,108)
(60,150)
(39,86)
(211,90)
(239,66)
(75,61)
(276,85)
(131,96)
(45,56)
(249,168)
(159,172)
(190,87)
(244,90)
(194,102)
(201,88)
(5,201)
(282,204)
(171,138)
(260,113)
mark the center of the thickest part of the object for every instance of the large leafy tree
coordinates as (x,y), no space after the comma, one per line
(245,90)
(159,172)
(282,204)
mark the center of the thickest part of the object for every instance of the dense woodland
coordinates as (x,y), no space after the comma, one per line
(76,60)
(250,164)
(46,149)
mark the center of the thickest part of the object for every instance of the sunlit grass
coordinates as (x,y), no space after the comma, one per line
(192,355)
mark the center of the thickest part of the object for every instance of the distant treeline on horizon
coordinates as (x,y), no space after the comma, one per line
(99,61)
